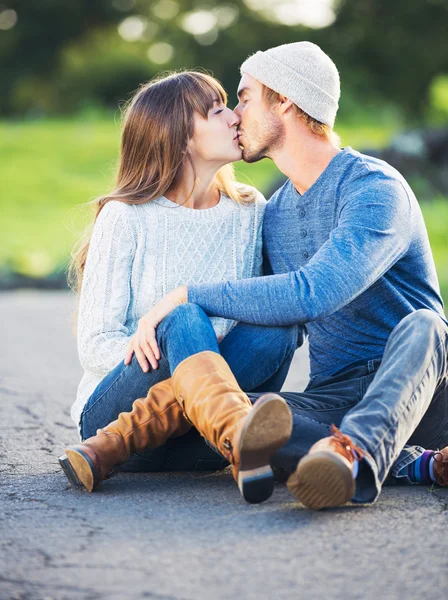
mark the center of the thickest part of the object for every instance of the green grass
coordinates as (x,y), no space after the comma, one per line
(51,168)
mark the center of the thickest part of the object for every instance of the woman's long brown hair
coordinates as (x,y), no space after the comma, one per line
(157,124)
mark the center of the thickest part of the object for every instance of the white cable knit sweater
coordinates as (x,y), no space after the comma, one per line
(138,253)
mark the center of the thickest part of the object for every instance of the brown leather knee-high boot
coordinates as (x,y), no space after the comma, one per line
(247,436)
(152,421)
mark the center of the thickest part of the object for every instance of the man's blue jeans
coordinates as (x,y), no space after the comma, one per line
(393,407)
(259,357)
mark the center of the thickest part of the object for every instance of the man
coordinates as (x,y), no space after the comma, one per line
(352,265)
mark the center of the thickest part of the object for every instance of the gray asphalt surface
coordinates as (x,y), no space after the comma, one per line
(181,536)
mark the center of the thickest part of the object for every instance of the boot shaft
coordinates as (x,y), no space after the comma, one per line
(211,398)
(152,421)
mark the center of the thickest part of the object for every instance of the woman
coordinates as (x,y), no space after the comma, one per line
(176,216)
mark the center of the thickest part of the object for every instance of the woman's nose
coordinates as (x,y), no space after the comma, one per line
(234,119)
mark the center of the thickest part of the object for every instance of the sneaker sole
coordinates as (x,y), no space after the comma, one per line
(268,427)
(322,480)
(79,469)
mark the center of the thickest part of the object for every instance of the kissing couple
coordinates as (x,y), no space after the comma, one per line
(195,293)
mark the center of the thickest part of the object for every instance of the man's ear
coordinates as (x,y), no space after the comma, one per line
(285,105)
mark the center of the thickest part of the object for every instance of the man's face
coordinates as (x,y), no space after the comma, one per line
(261,129)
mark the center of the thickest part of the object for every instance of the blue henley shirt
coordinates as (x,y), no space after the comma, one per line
(350,257)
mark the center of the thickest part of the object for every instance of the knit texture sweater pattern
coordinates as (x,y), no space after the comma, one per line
(139,253)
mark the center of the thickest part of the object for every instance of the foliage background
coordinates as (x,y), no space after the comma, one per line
(67,66)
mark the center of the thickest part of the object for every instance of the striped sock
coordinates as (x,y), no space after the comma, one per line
(422,469)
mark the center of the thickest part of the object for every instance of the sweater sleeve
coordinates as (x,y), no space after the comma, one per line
(105,293)
(372,233)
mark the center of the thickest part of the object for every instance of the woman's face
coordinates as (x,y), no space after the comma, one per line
(215,139)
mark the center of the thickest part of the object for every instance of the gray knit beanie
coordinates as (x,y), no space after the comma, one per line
(303,73)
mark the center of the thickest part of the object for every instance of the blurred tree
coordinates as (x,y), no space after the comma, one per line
(30,48)
(390,49)
(60,55)
(57,55)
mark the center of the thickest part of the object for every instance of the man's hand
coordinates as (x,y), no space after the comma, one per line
(144,341)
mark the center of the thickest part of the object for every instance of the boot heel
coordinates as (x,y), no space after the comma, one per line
(69,472)
(79,468)
(267,428)
(256,485)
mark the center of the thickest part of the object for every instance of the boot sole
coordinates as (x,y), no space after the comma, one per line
(322,480)
(79,469)
(268,427)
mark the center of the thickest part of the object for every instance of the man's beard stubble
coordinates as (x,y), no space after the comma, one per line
(262,146)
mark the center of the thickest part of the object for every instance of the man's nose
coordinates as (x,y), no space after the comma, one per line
(237,110)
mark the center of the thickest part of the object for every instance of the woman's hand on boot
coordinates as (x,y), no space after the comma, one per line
(144,342)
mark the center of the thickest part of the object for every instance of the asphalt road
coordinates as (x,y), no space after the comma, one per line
(182,536)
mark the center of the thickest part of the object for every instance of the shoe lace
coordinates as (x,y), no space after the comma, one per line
(440,470)
(345,443)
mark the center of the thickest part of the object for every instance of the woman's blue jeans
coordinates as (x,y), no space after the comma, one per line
(259,357)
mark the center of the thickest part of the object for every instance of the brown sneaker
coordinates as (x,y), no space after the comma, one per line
(441,467)
(324,477)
